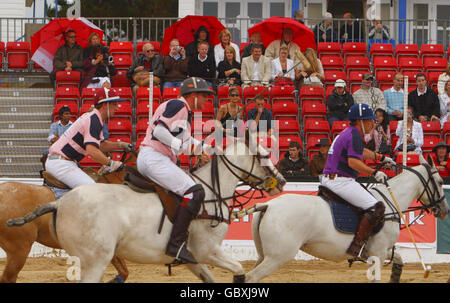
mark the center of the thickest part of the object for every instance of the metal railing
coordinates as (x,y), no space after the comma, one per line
(413,31)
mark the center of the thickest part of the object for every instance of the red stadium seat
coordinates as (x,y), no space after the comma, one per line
(242,46)
(125,93)
(409,50)
(207,111)
(86,106)
(312,141)
(431,128)
(434,63)
(433,77)
(316,127)
(355,76)
(143,107)
(338,126)
(312,92)
(120,79)
(2,53)
(285,140)
(143,93)
(433,50)
(72,78)
(314,110)
(122,61)
(429,142)
(384,63)
(285,109)
(357,62)
(282,93)
(332,75)
(222,93)
(120,125)
(141,125)
(332,62)
(87,94)
(385,76)
(120,138)
(89,162)
(446,130)
(289,126)
(67,93)
(411,159)
(170,93)
(124,48)
(73,105)
(410,64)
(377,49)
(18,55)
(354,48)
(328,48)
(124,108)
(251,91)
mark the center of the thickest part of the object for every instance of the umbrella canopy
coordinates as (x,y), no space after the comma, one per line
(272,28)
(48,39)
(185,29)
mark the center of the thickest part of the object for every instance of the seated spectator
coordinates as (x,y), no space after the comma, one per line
(440,158)
(260,119)
(175,65)
(68,57)
(148,61)
(444,101)
(369,95)
(256,69)
(273,50)
(351,31)
(339,103)
(255,38)
(380,138)
(229,69)
(94,40)
(98,69)
(311,69)
(293,164)
(281,65)
(414,135)
(299,15)
(203,64)
(324,31)
(318,160)
(379,31)
(219,49)
(394,97)
(230,115)
(443,78)
(201,35)
(424,101)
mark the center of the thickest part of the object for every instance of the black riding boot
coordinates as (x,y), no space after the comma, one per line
(178,238)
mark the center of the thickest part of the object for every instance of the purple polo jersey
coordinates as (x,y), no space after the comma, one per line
(349,143)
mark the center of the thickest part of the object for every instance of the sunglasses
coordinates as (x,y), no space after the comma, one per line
(72,36)
(149,51)
(234,95)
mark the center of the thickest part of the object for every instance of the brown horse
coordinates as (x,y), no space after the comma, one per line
(18,199)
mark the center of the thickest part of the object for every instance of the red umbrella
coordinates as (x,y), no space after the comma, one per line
(48,39)
(185,29)
(272,28)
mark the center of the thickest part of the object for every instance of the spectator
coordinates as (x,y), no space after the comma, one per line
(219,49)
(202,35)
(203,64)
(229,69)
(273,50)
(443,78)
(255,38)
(293,164)
(98,69)
(175,65)
(59,127)
(256,69)
(260,118)
(379,31)
(94,40)
(414,135)
(281,65)
(318,160)
(424,101)
(299,15)
(369,95)
(351,31)
(440,158)
(444,101)
(147,62)
(311,71)
(68,57)
(380,138)
(339,103)
(324,31)
(229,116)
(394,97)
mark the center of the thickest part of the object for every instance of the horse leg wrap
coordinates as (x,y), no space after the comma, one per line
(239,278)
(396,273)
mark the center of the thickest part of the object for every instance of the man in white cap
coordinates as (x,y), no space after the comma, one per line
(324,31)
(339,102)
(85,138)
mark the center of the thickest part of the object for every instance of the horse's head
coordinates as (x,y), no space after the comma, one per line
(433,195)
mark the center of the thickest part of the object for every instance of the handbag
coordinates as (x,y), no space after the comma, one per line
(385,148)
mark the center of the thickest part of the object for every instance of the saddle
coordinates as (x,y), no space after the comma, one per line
(139,183)
(346,216)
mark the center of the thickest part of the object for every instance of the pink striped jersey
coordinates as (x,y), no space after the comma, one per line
(175,115)
(88,129)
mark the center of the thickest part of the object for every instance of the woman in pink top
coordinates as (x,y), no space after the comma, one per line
(85,137)
(169,133)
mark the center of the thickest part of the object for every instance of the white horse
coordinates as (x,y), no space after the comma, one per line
(96,222)
(291,222)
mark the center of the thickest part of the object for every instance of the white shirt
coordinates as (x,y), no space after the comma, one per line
(200,59)
(444,99)
(420,94)
(277,69)
(255,71)
(219,53)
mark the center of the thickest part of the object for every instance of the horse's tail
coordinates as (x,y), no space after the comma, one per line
(39,211)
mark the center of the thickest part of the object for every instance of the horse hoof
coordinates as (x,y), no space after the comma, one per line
(15,222)
(117,279)
(239,278)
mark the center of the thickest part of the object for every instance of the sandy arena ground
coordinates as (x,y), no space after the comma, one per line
(53,270)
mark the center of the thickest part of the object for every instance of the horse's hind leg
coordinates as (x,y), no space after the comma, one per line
(93,268)
(121,268)
(397,267)
(265,268)
(202,272)
(15,260)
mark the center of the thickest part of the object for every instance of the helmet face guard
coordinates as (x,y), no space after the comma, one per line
(194,85)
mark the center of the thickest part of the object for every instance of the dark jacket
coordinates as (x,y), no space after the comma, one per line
(103,69)
(355,32)
(338,106)
(427,104)
(319,30)
(225,66)
(286,164)
(157,67)
(191,48)
(88,52)
(205,69)
(65,53)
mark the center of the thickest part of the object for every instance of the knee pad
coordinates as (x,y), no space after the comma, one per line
(198,196)
(375,214)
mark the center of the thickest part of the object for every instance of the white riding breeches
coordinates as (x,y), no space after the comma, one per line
(350,190)
(67,172)
(163,171)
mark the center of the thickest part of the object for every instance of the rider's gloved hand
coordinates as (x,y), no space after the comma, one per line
(127,147)
(381,177)
(113,166)
(387,161)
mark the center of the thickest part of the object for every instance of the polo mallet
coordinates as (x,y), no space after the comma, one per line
(427,268)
